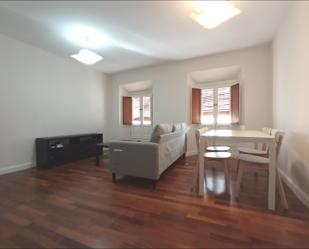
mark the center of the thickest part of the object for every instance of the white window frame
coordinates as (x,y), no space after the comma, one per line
(215,86)
(140,96)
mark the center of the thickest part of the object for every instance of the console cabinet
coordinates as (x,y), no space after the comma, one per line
(51,151)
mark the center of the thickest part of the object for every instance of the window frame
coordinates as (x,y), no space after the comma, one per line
(140,96)
(215,86)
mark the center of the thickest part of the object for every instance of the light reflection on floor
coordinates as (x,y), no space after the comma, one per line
(215,181)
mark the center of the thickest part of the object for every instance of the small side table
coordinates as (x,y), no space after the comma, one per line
(99,147)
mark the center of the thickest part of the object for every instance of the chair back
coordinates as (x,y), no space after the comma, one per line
(278,138)
(267,131)
(198,134)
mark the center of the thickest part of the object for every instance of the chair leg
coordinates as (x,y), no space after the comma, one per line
(237,166)
(239,179)
(237,169)
(227,176)
(282,192)
(114,177)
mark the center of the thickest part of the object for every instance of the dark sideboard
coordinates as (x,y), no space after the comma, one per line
(52,151)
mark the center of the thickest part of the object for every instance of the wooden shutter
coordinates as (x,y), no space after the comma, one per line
(196,105)
(235,110)
(127,110)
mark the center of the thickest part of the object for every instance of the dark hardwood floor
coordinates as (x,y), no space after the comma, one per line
(78,206)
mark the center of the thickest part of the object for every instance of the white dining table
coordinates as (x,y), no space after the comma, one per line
(240,136)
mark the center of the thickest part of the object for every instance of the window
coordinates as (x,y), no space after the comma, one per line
(137,110)
(136,107)
(146,110)
(216,106)
(224,105)
(141,110)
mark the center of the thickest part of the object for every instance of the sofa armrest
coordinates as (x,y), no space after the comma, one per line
(139,159)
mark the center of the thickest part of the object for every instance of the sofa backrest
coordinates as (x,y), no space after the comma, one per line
(164,132)
(160,129)
(172,135)
(179,127)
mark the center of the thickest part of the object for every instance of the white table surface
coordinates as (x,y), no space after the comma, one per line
(253,136)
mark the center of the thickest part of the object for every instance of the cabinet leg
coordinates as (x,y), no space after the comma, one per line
(154,183)
(97,158)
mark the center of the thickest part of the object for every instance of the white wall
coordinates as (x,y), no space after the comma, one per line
(44,95)
(171,88)
(291,101)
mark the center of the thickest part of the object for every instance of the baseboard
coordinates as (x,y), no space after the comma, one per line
(301,195)
(191,153)
(14,168)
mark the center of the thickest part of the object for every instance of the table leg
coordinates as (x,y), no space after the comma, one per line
(201,167)
(272,177)
(97,163)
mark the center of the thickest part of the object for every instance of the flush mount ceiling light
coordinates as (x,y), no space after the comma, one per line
(87,57)
(210,14)
(86,37)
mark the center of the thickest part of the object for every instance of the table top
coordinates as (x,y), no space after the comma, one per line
(254,134)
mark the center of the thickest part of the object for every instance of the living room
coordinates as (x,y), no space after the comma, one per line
(146,80)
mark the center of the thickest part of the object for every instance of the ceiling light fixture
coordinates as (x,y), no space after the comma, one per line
(210,14)
(86,37)
(87,57)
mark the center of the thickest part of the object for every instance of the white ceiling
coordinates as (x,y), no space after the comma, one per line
(139,33)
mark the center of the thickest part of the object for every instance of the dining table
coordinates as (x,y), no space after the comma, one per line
(239,136)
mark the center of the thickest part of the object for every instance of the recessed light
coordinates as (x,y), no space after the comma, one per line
(87,57)
(210,14)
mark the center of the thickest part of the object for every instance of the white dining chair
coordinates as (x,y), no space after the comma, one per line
(255,151)
(213,156)
(213,148)
(262,163)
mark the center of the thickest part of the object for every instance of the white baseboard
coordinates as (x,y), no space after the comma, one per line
(191,153)
(302,196)
(14,168)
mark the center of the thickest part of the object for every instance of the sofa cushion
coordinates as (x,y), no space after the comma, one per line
(159,130)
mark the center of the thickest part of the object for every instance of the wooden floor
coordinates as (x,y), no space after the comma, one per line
(78,206)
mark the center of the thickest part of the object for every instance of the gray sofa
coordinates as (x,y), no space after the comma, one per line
(149,159)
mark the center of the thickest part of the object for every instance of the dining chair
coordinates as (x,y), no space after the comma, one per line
(261,162)
(212,156)
(213,148)
(257,152)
